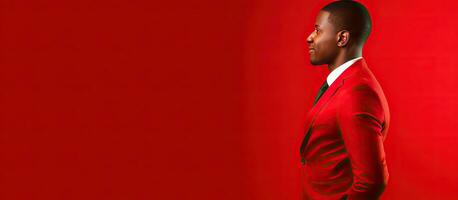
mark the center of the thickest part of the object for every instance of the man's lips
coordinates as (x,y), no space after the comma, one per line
(311,50)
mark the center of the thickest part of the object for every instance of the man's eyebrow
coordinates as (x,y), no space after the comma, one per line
(316,26)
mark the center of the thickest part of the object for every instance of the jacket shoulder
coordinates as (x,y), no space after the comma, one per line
(361,93)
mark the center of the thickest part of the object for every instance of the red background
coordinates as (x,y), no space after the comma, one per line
(205,100)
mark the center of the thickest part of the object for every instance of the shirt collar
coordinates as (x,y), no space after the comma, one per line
(339,70)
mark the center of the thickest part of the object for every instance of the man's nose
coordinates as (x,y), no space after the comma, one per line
(310,38)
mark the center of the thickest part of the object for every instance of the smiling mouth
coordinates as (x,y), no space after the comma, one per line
(311,50)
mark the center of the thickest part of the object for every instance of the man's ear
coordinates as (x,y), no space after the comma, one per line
(343,37)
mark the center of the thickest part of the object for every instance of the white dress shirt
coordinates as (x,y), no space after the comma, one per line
(339,70)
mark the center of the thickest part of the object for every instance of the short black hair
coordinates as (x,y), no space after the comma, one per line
(351,16)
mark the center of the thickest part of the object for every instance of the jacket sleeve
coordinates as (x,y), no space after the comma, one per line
(361,120)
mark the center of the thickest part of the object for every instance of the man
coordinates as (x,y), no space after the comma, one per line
(342,151)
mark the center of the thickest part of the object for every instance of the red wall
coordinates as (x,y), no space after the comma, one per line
(206,99)
(120,99)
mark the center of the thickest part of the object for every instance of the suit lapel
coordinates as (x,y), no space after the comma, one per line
(316,109)
(324,100)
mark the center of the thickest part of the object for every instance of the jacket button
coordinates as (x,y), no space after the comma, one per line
(303,161)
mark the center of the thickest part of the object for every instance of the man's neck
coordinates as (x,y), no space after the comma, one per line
(342,58)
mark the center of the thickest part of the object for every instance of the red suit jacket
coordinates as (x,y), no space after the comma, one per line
(342,151)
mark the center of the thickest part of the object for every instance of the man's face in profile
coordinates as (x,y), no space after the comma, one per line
(322,42)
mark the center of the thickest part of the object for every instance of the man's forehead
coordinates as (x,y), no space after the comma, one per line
(322,19)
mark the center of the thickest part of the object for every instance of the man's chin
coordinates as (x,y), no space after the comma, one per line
(315,63)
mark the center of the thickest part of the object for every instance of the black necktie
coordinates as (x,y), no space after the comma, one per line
(321,92)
